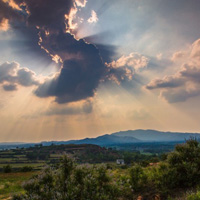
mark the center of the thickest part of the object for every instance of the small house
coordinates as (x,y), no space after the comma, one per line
(120,162)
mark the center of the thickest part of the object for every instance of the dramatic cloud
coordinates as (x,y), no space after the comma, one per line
(12,74)
(186,82)
(82,64)
(81,72)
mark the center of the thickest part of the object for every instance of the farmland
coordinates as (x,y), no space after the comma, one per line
(20,164)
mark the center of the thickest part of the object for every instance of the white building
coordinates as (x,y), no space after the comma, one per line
(120,162)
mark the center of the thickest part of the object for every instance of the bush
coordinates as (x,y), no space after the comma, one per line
(7,169)
(138,178)
(26,169)
(70,182)
(185,162)
(194,196)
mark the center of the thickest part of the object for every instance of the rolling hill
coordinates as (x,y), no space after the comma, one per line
(120,138)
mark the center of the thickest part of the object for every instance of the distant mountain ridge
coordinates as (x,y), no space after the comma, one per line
(122,137)
(133,136)
(156,136)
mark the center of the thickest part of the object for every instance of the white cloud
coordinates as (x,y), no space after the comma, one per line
(81,3)
(177,56)
(93,18)
(11,75)
(126,67)
(133,60)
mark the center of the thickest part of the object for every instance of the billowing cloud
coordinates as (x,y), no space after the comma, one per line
(125,67)
(12,74)
(186,82)
(94,18)
(133,60)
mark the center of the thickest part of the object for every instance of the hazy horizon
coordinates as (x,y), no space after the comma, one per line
(96,136)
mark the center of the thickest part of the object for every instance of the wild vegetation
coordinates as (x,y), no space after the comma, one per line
(35,158)
(177,177)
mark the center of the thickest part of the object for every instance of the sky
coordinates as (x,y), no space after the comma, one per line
(71,69)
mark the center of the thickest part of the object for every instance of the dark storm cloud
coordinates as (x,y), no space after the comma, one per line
(81,72)
(48,14)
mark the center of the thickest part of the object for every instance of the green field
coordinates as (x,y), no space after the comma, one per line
(11,183)
(20,165)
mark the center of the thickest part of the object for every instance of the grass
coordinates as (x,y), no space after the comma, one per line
(55,155)
(20,165)
(11,183)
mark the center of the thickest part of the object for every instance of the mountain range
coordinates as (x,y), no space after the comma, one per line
(122,137)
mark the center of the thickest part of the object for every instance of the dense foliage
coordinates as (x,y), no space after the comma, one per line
(180,172)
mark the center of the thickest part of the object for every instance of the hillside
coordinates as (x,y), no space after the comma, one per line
(39,155)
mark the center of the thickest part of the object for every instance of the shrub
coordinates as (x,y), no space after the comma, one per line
(194,196)
(138,178)
(7,169)
(70,182)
